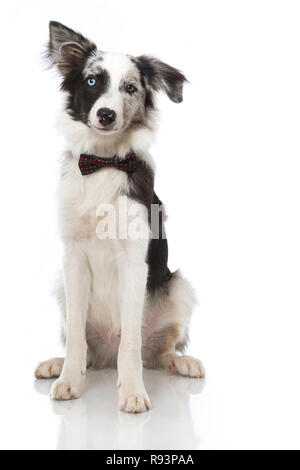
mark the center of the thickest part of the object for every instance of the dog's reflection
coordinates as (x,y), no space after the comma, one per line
(94,422)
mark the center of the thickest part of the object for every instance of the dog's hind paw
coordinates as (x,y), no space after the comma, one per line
(49,369)
(187,365)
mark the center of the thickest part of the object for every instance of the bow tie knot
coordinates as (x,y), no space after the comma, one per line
(90,163)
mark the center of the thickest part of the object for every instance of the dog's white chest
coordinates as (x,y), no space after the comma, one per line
(82,199)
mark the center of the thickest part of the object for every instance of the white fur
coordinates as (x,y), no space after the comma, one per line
(83,139)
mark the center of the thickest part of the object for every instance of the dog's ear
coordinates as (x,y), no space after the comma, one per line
(161,76)
(67,49)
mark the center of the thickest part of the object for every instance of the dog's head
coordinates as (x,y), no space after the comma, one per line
(108,92)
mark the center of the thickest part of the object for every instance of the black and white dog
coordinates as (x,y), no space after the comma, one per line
(121,304)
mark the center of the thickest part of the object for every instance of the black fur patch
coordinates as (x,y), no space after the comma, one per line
(82,96)
(141,189)
(69,51)
(149,98)
(158,75)
(159,273)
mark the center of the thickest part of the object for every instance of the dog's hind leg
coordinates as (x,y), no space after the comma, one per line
(162,352)
(169,315)
(49,369)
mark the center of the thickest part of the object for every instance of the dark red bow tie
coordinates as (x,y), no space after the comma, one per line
(90,163)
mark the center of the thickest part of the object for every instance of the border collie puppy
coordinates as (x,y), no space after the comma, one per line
(121,304)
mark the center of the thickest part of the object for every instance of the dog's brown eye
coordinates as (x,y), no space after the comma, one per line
(130,88)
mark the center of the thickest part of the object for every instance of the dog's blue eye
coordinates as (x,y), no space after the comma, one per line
(91,81)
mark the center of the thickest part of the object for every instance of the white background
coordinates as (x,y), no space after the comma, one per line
(228,171)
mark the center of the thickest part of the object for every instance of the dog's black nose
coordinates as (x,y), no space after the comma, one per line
(106,116)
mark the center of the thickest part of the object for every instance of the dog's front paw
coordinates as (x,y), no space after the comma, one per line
(65,389)
(134,401)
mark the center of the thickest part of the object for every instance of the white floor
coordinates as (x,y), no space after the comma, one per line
(234,408)
(95,423)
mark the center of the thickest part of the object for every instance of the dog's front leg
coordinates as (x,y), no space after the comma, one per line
(132,276)
(77,281)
